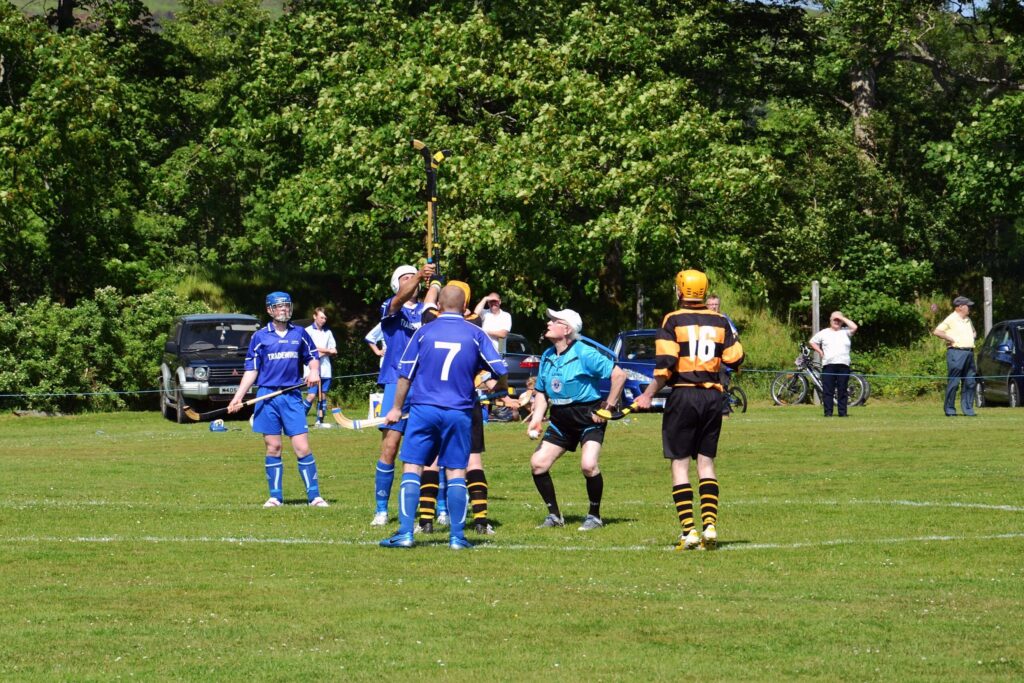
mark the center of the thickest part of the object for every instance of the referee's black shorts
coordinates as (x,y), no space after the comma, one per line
(573,424)
(692,423)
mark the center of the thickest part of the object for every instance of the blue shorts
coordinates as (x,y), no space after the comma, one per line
(325,385)
(284,413)
(441,433)
(385,406)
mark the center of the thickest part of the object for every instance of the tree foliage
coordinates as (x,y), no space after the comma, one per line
(596,147)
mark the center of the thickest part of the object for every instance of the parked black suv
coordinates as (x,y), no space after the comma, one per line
(203,363)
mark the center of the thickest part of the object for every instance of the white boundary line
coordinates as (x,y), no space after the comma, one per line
(492,546)
(58,503)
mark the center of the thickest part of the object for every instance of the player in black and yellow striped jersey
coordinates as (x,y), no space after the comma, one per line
(692,344)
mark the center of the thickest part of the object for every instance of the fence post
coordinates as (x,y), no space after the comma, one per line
(815,304)
(815,325)
(986,288)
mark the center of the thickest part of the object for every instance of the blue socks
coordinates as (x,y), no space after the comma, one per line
(457,503)
(442,491)
(307,470)
(409,498)
(274,469)
(382,482)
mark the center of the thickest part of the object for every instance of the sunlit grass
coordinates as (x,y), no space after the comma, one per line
(886,546)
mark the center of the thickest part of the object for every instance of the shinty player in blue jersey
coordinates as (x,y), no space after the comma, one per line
(399,318)
(437,374)
(276,356)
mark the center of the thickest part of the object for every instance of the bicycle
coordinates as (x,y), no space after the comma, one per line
(790,388)
(736,398)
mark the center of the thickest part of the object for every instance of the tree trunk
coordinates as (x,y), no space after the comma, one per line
(865,90)
(65,15)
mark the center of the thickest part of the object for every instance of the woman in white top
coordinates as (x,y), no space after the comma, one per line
(833,345)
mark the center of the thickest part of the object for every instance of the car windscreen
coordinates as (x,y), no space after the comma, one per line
(516,346)
(638,348)
(205,336)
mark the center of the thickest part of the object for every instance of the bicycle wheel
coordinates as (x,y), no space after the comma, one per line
(858,390)
(737,399)
(789,388)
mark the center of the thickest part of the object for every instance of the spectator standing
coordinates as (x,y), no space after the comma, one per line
(714,304)
(323,337)
(495,322)
(957,331)
(375,340)
(833,345)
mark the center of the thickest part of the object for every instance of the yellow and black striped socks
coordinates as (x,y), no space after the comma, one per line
(708,501)
(682,496)
(429,482)
(476,482)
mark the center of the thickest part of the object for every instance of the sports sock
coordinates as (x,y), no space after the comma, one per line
(595,489)
(546,488)
(428,495)
(321,408)
(476,482)
(382,482)
(682,495)
(708,501)
(307,404)
(409,495)
(307,470)
(274,469)
(457,507)
(442,492)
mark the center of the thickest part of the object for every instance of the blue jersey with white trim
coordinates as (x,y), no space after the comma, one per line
(279,358)
(573,375)
(397,329)
(442,360)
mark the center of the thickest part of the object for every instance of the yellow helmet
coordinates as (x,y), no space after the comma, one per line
(463,286)
(692,285)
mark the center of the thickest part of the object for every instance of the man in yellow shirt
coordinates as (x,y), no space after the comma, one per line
(958,333)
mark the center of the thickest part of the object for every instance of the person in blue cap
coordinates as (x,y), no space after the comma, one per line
(276,356)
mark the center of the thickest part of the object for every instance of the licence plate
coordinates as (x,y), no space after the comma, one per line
(227,390)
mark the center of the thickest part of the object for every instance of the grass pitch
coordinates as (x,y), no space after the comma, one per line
(886,546)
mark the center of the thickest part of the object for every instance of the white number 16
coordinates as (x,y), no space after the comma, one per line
(702,342)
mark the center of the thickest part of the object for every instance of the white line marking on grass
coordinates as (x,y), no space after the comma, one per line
(493,546)
(58,503)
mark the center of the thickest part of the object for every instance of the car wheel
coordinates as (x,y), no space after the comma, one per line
(979,396)
(1012,394)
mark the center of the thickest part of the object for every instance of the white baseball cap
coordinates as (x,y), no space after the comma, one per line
(568,316)
(399,273)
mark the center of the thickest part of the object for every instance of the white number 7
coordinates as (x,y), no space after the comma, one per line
(453,348)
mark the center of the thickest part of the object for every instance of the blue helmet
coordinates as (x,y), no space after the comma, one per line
(275,298)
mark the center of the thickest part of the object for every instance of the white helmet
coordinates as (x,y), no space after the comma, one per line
(400,272)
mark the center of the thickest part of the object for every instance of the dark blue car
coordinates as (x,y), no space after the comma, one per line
(1001,364)
(635,354)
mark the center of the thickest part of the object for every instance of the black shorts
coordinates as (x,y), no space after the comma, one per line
(476,439)
(692,423)
(572,425)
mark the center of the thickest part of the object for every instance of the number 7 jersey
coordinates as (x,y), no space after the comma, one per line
(691,346)
(442,360)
